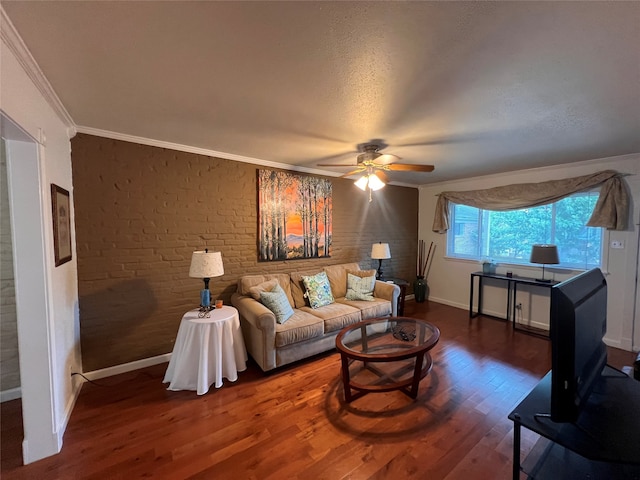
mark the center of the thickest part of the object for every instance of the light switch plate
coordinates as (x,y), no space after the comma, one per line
(617,244)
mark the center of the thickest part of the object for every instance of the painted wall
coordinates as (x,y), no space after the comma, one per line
(449,277)
(9,362)
(141,211)
(38,153)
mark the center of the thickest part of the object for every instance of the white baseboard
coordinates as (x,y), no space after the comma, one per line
(127,367)
(76,385)
(46,446)
(462,306)
(10,394)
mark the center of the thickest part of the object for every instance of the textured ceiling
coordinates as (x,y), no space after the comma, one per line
(470,87)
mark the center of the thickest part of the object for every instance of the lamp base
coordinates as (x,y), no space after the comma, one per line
(379,272)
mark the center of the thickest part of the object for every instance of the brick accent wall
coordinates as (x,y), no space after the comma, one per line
(141,211)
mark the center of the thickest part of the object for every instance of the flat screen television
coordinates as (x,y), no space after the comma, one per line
(578,324)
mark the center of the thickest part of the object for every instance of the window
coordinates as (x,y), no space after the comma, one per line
(507,237)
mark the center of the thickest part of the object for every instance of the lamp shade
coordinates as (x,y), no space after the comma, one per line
(370,181)
(375,183)
(362,182)
(544,254)
(206,265)
(380,251)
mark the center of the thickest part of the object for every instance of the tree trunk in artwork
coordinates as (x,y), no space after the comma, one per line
(302,205)
(326,211)
(273,252)
(281,217)
(316,215)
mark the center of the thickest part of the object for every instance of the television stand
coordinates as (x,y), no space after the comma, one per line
(603,443)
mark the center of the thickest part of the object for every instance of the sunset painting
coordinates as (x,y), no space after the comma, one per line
(294,217)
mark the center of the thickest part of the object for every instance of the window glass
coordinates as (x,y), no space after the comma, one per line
(507,237)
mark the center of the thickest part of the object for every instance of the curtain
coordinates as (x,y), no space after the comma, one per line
(611,210)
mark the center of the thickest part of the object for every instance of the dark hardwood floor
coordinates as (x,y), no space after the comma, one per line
(293,424)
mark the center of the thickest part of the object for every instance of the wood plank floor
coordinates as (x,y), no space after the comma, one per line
(293,424)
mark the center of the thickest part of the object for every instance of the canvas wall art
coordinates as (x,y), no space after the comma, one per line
(294,216)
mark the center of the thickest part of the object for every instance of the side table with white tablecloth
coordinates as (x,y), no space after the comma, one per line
(206,351)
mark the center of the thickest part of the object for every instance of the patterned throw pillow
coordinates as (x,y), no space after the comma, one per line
(276,301)
(318,290)
(360,288)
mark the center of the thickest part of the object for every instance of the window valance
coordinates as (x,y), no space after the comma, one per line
(611,210)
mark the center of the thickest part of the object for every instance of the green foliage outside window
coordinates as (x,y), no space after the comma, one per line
(507,237)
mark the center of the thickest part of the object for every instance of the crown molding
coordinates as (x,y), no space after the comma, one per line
(14,42)
(560,167)
(212,153)
(200,151)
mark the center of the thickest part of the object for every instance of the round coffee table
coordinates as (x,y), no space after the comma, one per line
(385,354)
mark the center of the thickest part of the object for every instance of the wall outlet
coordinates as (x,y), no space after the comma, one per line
(518,306)
(617,244)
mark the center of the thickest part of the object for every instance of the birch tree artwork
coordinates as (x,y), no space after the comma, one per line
(294,216)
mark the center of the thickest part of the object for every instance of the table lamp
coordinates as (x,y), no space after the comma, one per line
(546,255)
(380,251)
(206,265)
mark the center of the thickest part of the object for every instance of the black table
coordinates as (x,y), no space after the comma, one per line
(512,289)
(403,284)
(603,443)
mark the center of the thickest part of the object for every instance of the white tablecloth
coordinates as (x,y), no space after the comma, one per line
(206,351)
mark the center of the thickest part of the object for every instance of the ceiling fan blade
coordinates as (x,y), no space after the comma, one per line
(335,165)
(353,172)
(404,167)
(382,176)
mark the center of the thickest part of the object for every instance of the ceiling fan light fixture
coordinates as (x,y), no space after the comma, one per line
(362,182)
(375,183)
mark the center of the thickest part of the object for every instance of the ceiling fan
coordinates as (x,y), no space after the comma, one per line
(371,164)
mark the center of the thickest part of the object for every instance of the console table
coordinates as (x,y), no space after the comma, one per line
(512,289)
(603,443)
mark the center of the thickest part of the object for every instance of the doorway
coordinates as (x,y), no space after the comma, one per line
(27,200)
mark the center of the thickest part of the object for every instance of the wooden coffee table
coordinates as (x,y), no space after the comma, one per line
(385,354)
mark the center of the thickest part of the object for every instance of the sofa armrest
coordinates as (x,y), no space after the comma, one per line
(388,291)
(258,325)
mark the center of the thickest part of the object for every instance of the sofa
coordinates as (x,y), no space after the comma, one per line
(308,330)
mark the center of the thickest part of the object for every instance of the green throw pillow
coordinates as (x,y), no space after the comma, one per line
(318,290)
(360,288)
(276,301)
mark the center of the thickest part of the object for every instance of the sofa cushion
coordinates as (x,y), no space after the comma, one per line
(337,275)
(318,290)
(336,316)
(377,308)
(300,327)
(246,282)
(276,301)
(360,288)
(267,286)
(298,289)
(363,273)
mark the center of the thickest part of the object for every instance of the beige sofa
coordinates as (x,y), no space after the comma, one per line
(309,331)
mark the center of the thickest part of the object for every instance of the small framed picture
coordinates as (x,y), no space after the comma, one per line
(61,224)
